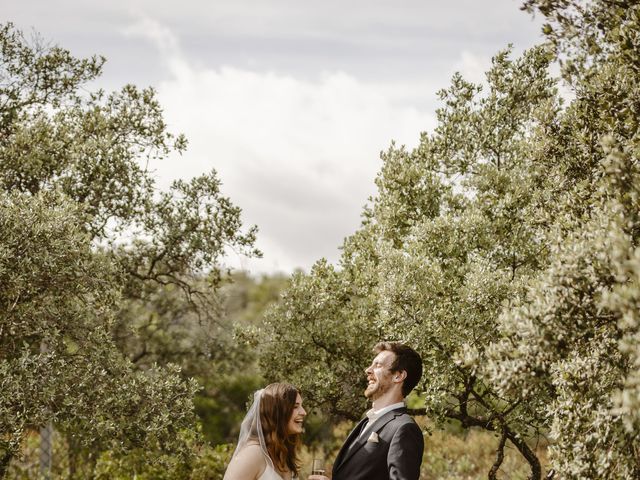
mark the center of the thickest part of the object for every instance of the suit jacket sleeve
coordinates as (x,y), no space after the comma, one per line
(405,453)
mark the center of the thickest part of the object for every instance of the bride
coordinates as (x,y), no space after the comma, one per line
(269,436)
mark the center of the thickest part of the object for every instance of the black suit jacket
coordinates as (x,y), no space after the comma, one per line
(396,455)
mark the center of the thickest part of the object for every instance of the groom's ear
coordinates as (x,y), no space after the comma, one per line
(400,376)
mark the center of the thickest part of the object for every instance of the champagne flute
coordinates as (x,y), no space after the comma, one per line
(318,466)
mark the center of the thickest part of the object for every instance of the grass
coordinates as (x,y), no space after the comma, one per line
(469,456)
(449,455)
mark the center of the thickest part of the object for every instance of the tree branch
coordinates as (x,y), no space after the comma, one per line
(499,456)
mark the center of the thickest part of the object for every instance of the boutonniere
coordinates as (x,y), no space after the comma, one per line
(373,438)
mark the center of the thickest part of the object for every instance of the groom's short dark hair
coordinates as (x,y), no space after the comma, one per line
(407,359)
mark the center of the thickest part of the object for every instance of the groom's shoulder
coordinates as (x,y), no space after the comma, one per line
(404,418)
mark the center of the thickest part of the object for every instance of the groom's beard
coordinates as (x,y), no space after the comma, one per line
(376,390)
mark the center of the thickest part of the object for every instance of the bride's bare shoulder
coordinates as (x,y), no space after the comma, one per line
(251,448)
(249,462)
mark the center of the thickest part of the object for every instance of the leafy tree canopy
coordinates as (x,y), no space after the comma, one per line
(107,286)
(504,248)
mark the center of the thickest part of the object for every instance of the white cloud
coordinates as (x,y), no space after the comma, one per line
(290,101)
(161,36)
(298,156)
(472,67)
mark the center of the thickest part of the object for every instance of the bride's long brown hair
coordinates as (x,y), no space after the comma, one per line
(276,408)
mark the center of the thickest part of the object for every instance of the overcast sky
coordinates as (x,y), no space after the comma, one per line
(291,101)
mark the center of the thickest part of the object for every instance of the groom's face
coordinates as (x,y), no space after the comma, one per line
(379,376)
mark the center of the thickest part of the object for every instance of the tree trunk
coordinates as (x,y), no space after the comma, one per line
(72,456)
(529,455)
(5,460)
(493,473)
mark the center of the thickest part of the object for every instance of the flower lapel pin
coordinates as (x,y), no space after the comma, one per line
(373,438)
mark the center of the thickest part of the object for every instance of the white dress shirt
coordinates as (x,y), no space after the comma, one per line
(373,415)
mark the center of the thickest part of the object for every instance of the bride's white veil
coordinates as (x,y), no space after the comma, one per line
(251,429)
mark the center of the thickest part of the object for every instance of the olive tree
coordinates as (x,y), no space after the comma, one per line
(453,233)
(503,248)
(112,299)
(59,362)
(569,345)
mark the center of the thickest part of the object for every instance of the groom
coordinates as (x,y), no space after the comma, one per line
(387,443)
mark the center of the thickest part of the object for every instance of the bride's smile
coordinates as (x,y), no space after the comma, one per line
(296,421)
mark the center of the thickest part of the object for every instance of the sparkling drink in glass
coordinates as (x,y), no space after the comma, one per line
(318,466)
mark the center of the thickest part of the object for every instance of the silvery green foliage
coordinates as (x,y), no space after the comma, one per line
(316,338)
(625,298)
(570,343)
(505,249)
(561,345)
(99,149)
(444,245)
(444,285)
(109,272)
(59,362)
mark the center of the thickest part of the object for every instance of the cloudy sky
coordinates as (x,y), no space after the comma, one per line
(291,101)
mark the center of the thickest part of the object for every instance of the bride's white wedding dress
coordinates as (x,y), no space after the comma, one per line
(251,434)
(270,474)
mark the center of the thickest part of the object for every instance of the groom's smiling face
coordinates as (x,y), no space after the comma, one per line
(379,375)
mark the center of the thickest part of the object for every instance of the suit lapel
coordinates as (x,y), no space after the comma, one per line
(353,436)
(355,441)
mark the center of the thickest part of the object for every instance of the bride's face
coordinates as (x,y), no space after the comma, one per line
(297,417)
